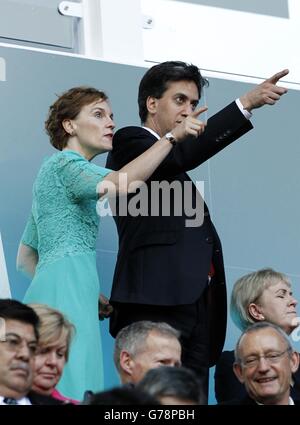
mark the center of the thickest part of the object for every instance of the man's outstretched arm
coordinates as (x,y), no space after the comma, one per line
(266,93)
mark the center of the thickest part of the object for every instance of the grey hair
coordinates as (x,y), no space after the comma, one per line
(257,327)
(167,381)
(248,289)
(133,337)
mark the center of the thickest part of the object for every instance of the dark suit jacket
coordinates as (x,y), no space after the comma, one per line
(160,260)
(228,387)
(248,401)
(39,399)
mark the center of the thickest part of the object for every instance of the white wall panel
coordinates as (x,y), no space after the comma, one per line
(225,40)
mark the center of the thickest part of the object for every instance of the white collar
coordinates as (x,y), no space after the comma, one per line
(152,132)
(24,401)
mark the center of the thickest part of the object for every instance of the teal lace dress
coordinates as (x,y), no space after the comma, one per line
(63,227)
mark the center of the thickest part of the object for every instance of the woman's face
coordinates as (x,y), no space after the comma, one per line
(93,129)
(49,363)
(277,305)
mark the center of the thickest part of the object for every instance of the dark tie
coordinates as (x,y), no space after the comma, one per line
(8,400)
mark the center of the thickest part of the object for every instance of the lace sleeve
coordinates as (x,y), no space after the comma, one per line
(80,177)
(30,235)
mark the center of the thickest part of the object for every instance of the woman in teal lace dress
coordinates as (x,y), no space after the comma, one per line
(58,245)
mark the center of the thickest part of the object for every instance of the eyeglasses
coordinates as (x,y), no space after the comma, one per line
(14,343)
(270,358)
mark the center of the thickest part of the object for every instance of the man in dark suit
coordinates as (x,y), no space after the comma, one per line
(264,363)
(18,343)
(170,266)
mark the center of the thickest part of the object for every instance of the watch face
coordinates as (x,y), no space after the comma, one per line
(171,138)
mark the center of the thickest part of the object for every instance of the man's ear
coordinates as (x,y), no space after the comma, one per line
(126,362)
(255,312)
(294,359)
(68,126)
(237,368)
(151,104)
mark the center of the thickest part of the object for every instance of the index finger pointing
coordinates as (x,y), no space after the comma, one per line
(199,111)
(276,77)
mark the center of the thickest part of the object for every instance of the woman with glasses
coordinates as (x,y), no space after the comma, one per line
(264,295)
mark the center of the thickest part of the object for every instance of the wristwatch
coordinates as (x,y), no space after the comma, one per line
(171,138)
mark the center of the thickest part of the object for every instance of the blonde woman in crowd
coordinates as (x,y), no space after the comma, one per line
(56,333)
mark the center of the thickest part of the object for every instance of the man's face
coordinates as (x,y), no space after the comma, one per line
(159,351)
(177,102)
(17,359)
(267,366)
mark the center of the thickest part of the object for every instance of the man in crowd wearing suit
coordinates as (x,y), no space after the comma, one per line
(264,363)
(170,268)
(18,343)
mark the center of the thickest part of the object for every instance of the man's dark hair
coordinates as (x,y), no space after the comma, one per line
(167,381)
(125,395)
(156,81)
(15,310)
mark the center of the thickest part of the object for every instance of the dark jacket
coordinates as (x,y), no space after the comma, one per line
(248,401)
(160,260)
(36,398)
